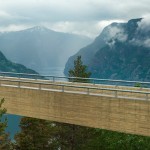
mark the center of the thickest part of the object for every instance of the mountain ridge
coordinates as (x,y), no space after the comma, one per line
(121,51)
(8,66)
(38,47)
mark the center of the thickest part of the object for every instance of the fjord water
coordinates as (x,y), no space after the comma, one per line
(13,124)
(14,120)
(54,71)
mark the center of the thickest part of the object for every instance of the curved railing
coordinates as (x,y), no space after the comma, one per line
(77,79)
(80,89)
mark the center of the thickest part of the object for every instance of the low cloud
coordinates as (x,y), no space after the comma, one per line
(90,29)
(144,42)
(117,33)
(114,33)
(144,28)
(14,27)
(144,24)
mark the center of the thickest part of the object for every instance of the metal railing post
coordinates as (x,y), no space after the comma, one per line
(146,96)
(53,78)
(39,86)
(93,81)
(19,76)
(35,77)
(116,94)
(63,88)
(88,91)
(19,84)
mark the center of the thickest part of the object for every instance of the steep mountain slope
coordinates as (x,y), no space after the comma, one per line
(121,51)
(39,47)
(8,66)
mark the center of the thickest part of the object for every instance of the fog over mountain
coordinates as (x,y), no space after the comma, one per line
(121,51)
(40,47)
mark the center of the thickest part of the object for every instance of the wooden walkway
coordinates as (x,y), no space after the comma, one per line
(118,108)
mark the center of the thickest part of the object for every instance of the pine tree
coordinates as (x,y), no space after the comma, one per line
(36,134)
(79,70)
(4,137)
(76,137)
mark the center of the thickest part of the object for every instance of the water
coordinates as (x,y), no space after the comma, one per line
(54,71)
(13,124)
(14,120)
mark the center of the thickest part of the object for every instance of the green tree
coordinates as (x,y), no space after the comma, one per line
(111,140)
(79,70)
(137,85)
(36,134)
(73,137)
(4,137)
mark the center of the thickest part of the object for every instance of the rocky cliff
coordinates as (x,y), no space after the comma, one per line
(121,51)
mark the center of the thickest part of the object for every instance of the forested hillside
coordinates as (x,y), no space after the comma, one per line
(8,66)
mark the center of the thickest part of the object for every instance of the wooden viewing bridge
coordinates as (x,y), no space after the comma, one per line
(100,103)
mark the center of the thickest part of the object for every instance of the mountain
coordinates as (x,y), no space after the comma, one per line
(40,47)
(121,51)
(8,66)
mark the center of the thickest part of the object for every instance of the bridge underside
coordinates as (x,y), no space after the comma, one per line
(117,114)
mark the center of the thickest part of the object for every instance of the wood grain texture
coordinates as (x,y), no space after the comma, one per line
(117,114)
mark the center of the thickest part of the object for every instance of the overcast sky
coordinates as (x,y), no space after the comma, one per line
(87,17)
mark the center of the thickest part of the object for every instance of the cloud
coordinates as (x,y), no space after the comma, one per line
(4,14)
(146,43)
(144,28)
(81,17)
(13,27)
(70,10)
(116,32)
(144,24)
(141,42)
(90,29)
